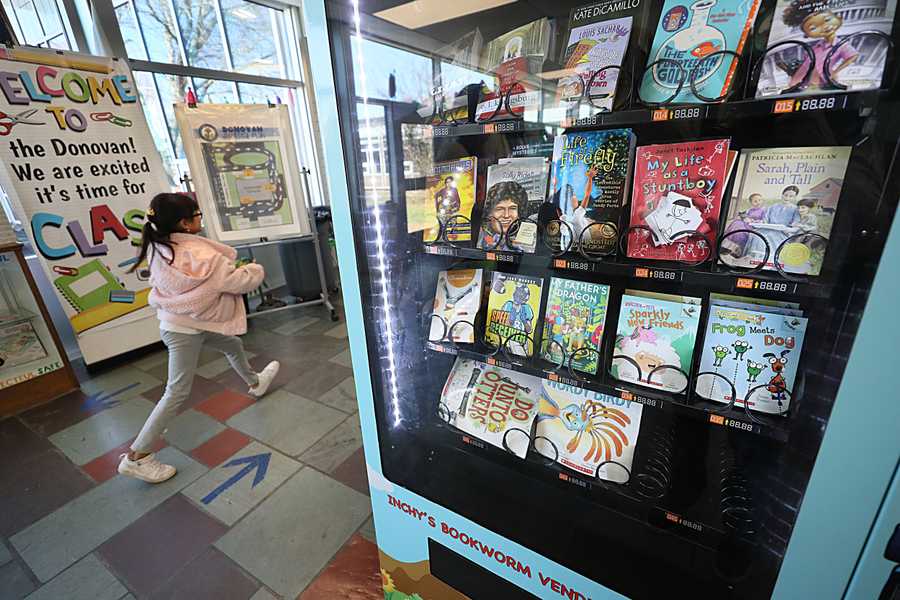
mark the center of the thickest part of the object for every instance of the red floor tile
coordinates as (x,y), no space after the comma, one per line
(149,551)
(352,574)
(352,472)
(105,467)
(224,405)
(216,449)
(201,389)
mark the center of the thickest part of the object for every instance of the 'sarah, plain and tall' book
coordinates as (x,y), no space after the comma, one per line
(677,194)
(574,319)
(841,33)
(493,404)
(753,347)
(457,298)
(591,433)
(589,184)
(513,306)
(688,34)
(788,198)
(451,193)
(655,339)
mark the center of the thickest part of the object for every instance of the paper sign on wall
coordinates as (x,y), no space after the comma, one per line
(244,169)
(80,167)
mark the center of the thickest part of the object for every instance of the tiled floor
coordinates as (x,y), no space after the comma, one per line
(270,501)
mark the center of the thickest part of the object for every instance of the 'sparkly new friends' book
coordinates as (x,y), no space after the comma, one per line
(493,404)
(655,339)
(589,185)
(677,195)
(591,433)
(574,319)
(456,300)
(451,191)
(598,37)
(689,35)
(513,306)
(753,347)
(846,37)
(784,201)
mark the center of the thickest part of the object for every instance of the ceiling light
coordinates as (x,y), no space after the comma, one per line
(420,13)
(242,13)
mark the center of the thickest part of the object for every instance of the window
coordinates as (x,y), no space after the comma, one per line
(226,51)
(411,73)
(39,23)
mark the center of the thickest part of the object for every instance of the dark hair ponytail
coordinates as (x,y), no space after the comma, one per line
(163,219)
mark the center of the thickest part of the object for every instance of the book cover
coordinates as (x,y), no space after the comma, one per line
(513,58)
(493,404)
(513,306)
(688,34)
(656,332)
(756,350)
(844,27)
(677,192)
(457,298)
(516,187)
(574,319)
(589,184)
(451,191)
(780,194)
(20,344)
(591,433)
(599,35)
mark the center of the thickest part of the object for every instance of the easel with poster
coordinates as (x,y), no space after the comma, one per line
(242,159)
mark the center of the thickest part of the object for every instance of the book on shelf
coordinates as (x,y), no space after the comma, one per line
(687,37)
(574,319)
(589,185)
(655,339)
(677,195)
(851,36)
(493,404)
(784,198)
(516,187)
(588,432)
(754,347)
(598,40)
(450,193)
(457,298)
(513,305)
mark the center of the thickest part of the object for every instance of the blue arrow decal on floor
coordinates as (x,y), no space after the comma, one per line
(104,400)
(260,462)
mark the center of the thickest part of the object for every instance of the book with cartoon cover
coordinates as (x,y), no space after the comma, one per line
(591,433)
(655,339)
(848,35)
(781,194)
(754,347)
(516,187)
(457,298)
(513,306)
(589,184)
(451,193)
(598,37)
(495,405)
(688,34)
(574,319)
(677,195)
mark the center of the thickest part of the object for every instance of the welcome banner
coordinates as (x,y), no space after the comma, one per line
(80,167)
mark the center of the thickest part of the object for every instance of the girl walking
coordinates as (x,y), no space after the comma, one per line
(196,290)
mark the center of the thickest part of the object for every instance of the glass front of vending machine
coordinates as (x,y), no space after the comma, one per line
(619,281)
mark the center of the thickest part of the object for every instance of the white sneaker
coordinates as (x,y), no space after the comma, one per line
(147,469)
(266,377)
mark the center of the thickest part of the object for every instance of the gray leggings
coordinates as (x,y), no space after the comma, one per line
(184,354)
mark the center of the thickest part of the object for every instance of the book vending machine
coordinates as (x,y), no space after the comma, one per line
(620,279)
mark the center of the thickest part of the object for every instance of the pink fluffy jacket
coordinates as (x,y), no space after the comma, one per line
(202,288)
